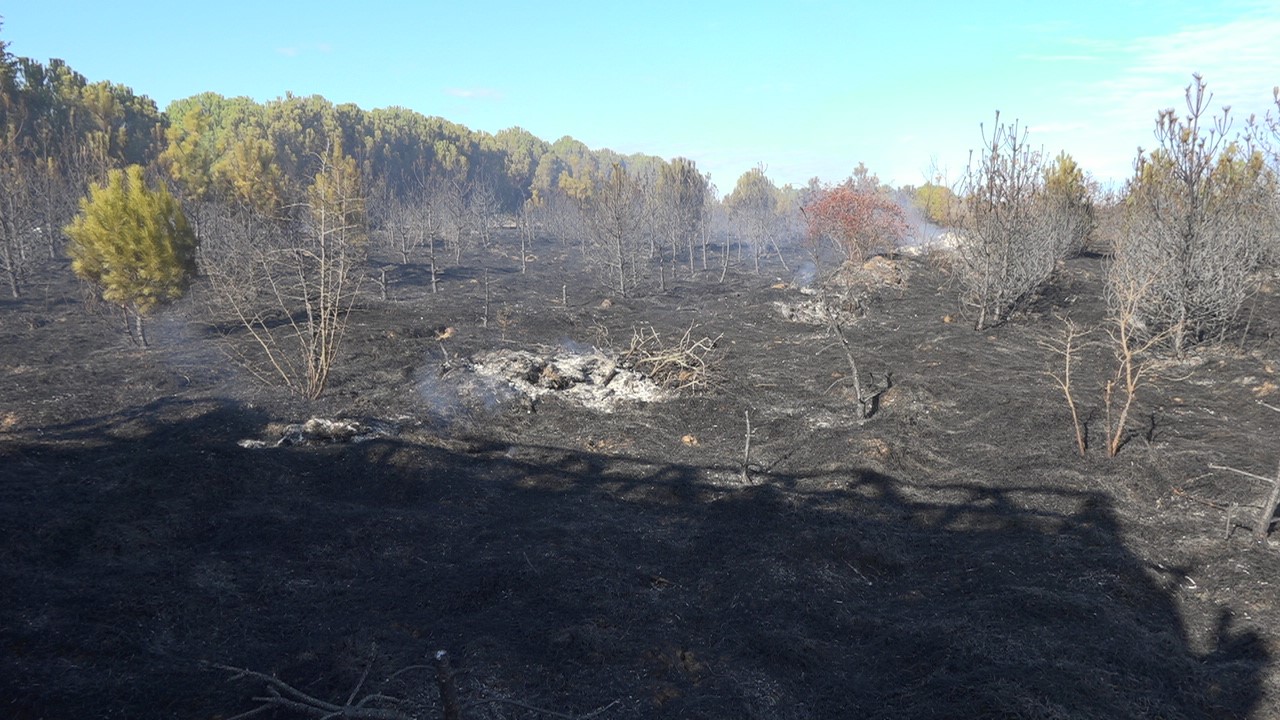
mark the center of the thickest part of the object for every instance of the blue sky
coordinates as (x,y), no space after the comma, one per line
(805,88)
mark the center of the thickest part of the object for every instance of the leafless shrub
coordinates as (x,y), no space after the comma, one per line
(1066,345)
(1129,294)
(1008,245)
(1200,212)
(686,364)
(291,282)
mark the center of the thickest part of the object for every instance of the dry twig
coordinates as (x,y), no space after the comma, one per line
(1266,514)
(281,694)
(684,365)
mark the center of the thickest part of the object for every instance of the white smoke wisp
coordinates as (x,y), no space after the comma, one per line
(574,347)
(183,340)
(452,395)
(922,234)
(806,273)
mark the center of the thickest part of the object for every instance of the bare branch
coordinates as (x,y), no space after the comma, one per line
(1243,473)
(284,695)
(543,711)
(684,365)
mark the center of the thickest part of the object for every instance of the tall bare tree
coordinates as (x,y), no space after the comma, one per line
(613,215)
(16,246)
(753,209)
(682,194)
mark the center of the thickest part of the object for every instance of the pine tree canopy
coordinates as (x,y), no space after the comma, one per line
(133,242)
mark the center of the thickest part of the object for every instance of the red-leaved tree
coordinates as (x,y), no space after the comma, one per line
(859,222)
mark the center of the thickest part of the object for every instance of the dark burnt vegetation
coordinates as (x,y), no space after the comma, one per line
(953,552)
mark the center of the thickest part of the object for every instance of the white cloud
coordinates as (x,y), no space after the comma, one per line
(1237,59)
(1115,116)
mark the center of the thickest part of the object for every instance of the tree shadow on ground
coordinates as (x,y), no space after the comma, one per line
(138,546)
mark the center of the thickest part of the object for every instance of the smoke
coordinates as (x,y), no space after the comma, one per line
(576,348)
(451,395)
(180,338)
(806,273)
(921,232)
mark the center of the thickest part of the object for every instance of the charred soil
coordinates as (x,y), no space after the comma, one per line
(952,556)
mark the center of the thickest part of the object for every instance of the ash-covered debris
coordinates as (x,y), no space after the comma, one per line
(591,379)
(845,293)
(846,305)
(323,431)
(810,310)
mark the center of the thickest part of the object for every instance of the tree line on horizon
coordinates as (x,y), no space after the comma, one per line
(61,134)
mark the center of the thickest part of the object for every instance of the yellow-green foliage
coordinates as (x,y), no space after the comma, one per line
(133,242)
(937,202)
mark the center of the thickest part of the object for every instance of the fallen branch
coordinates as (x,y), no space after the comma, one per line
(1266,515)
(684,365)
(1207,503)
(544,711)
(283,695)
(1244,473)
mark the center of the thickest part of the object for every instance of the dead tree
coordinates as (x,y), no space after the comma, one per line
(613,215)
(865,396)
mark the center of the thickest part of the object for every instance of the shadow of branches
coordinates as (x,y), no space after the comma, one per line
(136,547)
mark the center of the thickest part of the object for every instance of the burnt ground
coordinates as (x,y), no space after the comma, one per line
(950,557)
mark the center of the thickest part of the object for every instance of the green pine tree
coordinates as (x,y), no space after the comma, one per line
(134,243)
